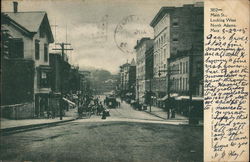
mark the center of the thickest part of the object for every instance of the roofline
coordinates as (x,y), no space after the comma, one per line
(163,10)
(51,39)
(143,39)
(50,32)
(27,12)
(18,26)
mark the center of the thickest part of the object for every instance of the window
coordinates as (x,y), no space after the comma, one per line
(184,84)
(184,67)
(183,81)
(44,80)
(16,48)
(180,83)
(45,52)
(175,38)
(198,66)
(174,49)
(173,84)
(42,32)
(37,50)
(180,67)
(175,22)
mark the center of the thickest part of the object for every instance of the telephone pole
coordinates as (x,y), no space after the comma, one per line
(62,49)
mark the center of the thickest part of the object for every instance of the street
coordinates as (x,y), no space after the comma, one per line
(127,135)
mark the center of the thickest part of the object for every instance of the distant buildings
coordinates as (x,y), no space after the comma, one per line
(84,82)
(171,64)
(127,80)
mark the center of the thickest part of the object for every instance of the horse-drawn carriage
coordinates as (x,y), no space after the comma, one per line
(110,101)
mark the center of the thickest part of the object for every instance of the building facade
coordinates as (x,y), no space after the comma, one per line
(31,35)
(177,30)
(128,80)
(149,74)
(141,47)
(161,25)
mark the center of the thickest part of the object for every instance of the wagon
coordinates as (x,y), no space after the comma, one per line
(111,102)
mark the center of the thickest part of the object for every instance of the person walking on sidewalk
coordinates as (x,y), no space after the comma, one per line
(168,110)
(172,108)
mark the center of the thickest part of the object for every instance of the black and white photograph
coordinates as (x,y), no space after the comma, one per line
(93,80)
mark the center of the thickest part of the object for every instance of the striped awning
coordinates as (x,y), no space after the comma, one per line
(70,102)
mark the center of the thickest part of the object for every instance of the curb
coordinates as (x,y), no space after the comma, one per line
(155,115)
(17,129)
(190,125)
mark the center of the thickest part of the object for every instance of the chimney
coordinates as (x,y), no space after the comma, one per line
(15,5)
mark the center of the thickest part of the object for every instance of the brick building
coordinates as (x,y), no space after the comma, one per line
(178,37)
(149,74)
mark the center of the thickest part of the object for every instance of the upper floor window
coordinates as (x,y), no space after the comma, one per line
(175,37)
(45,52)
(180,67)
(16,48)
(165,40)
(42,32)
(37,50)
(175,22)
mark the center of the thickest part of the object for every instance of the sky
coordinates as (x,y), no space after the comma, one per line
(102,33)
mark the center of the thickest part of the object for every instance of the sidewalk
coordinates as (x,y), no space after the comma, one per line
(159,112)
(163,114)
(12,124)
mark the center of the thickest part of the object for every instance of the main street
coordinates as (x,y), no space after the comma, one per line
(127,135)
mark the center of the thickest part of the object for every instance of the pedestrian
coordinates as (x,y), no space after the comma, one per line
(167,107)
(104,114)
(173,113)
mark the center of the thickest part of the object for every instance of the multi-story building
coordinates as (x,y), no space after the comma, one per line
(141,47)
(149,74)
(161,25)
(31,35)
(127,80)
(124,71)
(132,80)
(177,30)
(84,82)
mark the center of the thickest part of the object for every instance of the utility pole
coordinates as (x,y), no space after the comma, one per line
(169,72)
(62,49)
(190,85)
(55,26)
(150,93)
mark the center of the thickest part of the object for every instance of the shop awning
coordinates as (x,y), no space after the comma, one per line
(44,68)
(188,97)
(70,102)
(197,98)
(174,94)
(163,98)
